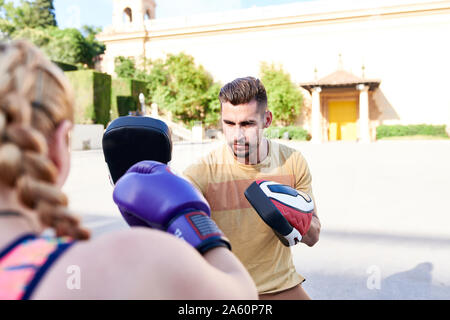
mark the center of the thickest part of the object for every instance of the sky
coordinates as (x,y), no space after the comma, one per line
(76,13)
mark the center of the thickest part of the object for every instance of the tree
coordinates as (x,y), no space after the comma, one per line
(68,45)
(95,48)
(35,21)
(7,26)
(124,67)
(284,97)
(187,90)
(177,85)
(28,14)
(39,37)
(44,14)
(63,45)
(212,115)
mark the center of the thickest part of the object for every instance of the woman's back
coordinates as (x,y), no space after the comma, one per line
(135,263)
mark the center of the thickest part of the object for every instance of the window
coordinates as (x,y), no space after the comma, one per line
(147,15)
(127,16)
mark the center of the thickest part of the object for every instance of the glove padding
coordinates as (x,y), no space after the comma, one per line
(286,210)
(129,140)
(151,194)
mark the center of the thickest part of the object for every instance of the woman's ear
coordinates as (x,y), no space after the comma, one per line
(59,151)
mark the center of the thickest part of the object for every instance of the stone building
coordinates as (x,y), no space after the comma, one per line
(393,66)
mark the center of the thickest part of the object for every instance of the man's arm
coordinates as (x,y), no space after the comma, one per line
(304,183)
(218,274)
(312,236)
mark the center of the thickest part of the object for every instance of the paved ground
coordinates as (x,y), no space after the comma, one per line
(384,207)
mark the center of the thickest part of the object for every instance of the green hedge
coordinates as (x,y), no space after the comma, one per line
(125,96)
(102,97)
(125,104)
(295,133)
(65,66)
(92,96)
(384,131)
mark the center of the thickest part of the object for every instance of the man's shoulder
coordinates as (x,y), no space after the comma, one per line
(212,157)
(218,153)
(284,149)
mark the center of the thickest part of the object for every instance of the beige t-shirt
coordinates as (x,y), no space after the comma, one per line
(223,180)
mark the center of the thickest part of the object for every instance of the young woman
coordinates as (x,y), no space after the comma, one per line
(36,116)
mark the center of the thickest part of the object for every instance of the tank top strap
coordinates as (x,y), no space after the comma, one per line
(25,261)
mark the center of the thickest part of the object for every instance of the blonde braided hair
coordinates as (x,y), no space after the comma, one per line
(35,97)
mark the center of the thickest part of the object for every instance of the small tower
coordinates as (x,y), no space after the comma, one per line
(133,13)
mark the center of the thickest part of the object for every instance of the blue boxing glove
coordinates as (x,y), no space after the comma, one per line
(149,192)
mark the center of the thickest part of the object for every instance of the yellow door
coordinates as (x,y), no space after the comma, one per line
(342,120)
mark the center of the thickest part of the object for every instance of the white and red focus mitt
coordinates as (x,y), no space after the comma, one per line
(286,210)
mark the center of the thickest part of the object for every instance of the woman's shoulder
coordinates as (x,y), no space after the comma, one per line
(118,265)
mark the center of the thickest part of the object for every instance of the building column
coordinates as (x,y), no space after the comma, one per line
(364,131)
(316,127)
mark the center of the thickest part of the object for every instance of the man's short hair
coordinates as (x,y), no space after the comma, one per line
(244,90)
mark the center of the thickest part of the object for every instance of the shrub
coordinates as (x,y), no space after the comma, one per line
(272,133)
(384,131)
(93,96)
(125,104)
(295,133)
(125,96)
(102,98)
(124,67)
(65,66)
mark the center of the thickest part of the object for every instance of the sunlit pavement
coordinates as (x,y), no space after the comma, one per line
(384,208)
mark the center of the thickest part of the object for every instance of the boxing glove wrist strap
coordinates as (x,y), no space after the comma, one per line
(198,229)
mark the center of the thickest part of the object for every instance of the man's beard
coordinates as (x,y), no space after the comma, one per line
(242,153)
(245,151)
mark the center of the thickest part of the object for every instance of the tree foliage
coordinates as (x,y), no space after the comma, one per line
(284,97)
(177,85)
(28,14)
(64,45)
(35,21)
(94,47)
(43,14)
(124,67)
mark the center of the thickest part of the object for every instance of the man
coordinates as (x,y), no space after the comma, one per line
(224,174)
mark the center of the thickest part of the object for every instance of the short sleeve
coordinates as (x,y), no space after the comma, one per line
(195,174)
(303,178)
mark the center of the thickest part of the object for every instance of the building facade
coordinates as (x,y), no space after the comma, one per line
(359,63)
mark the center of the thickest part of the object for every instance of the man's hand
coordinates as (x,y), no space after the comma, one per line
(312,236)
(286,210)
